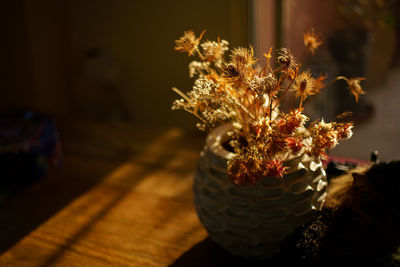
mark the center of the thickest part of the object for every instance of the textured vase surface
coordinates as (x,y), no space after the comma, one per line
(252,221)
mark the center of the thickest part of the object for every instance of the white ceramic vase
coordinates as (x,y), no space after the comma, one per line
(252,221)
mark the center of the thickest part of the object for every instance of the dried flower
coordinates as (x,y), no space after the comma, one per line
(213,51)
(343,115)
(235,90)
(274,144)
(324,137)
(275,168)
(311,40)
(188,42)
(319,84)
(344,130)
(354,85)
(265,85)
(243,58)
(287,63)
(246,168)
(261,128)
(198,68)
(291,121)
(304,85)
(294,144)
(201,126)
(232,73)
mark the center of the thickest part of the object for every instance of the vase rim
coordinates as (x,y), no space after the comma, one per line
(218,135)
(215,139)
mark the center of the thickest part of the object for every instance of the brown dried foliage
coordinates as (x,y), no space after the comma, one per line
(234,90)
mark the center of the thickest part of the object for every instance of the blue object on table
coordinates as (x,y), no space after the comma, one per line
(29,145)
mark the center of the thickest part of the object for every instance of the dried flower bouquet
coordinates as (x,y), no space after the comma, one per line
(262,137)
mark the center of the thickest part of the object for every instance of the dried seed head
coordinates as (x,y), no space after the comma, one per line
(286,59)
(265,85)
(231,71)
(304,85)
(188,42)
(243,58)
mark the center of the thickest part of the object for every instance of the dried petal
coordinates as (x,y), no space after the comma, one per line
(275,168)
(354,85)
(311,40)
(188,42)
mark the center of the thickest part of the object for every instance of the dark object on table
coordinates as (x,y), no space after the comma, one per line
(375,157)
(336,168)
(358,225)
(29,145)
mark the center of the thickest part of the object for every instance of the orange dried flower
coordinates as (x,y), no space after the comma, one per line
(324,137)
(275,168)
(239,173)
(311,40)
(243,59)
(245,170)
(304,85)
(275,144)
(261,129)
(344,130)
(343,115)
(354,85)
(188,42)
(319,84)
(291,121)
(248,96)
(294,144)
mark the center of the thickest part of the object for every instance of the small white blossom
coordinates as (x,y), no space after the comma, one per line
(214,50)
(178,104)
(198,67)
(237,125)
(201,126)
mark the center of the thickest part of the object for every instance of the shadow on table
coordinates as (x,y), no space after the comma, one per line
(28,207)
(89,157)
(208,253)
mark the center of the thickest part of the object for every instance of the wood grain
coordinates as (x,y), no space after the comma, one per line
(123,197)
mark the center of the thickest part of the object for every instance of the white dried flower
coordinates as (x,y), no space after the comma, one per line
(198,68)
(214,51)
(178,104)
(202,90)
(201,126)
(237,125)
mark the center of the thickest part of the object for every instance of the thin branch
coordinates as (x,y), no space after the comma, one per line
(179,92)
(285,92)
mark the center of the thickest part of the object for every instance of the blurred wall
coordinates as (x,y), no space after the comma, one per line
(47,43)
(263,28)
(109,59)
(300,16)
(323,16)
(15,67)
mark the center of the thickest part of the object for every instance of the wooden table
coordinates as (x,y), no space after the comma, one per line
(122,197)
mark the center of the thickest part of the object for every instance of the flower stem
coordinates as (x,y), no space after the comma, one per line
(179,92)
(286,90)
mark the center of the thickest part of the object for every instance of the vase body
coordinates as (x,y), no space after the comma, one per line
(252,221)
